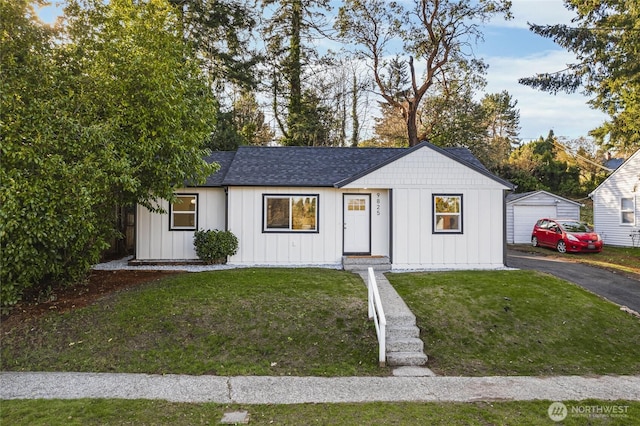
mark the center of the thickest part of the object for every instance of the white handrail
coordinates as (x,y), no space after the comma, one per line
(377,314)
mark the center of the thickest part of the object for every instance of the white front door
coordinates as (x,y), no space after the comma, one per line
(357,224)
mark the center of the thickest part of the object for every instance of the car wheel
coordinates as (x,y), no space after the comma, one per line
(562,247)
(534,241)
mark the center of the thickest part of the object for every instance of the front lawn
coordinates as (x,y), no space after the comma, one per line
(314,322)
(137,412)
(518,323)
(234,322)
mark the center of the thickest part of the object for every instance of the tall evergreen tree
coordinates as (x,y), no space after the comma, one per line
(536,166)
(502,122)
(221,32)
(291,22)
(605,36)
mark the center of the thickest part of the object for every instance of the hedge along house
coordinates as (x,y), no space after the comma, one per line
(422,208)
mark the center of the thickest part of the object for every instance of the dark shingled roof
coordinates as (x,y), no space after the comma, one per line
(224,158)
(315,166)
(302,166)
(465,155)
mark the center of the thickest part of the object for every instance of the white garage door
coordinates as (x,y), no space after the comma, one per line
(524,217)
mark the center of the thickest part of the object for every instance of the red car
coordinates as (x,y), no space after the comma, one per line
(566,236)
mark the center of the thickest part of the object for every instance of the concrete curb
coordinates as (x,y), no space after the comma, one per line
(297,390)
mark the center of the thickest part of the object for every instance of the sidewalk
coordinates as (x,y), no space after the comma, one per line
(298,390)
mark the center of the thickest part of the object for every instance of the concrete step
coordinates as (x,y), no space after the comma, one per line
(395,320)
(406,358)
(362,263)
(405,344)
(402,331)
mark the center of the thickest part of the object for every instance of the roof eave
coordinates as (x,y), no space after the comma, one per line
(546,192)
(276,185)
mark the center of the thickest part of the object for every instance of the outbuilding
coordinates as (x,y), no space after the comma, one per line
(524,209)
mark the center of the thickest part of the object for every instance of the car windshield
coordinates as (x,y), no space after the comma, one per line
(576,227)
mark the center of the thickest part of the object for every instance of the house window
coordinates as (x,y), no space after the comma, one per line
(447,214)
(627,211)
(184,213)
(357,204)
(290,213)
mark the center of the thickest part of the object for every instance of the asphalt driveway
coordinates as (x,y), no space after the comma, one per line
(613,286)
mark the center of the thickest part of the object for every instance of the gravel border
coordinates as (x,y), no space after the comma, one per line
(123,264)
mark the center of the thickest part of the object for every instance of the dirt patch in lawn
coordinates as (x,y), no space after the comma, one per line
(97,285)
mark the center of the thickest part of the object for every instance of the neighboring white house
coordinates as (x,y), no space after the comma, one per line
(524,210)
(616,205)
(422,207)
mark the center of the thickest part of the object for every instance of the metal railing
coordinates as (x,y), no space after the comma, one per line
(635,238)
(376,313)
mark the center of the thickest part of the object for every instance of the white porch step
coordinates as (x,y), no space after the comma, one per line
(361,263)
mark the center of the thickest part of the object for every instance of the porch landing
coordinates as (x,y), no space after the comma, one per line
(361,263)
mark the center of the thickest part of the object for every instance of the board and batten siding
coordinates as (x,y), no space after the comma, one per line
(623,183)
(323,248)
(154,240)
(414,179)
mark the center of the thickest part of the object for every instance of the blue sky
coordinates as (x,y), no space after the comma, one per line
(513,52)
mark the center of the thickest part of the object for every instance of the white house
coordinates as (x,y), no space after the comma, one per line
(524,210)
(422,208)
(616,205)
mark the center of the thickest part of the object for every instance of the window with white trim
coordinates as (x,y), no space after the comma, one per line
(183,213)
(290,213)
(627,211)
(447,213)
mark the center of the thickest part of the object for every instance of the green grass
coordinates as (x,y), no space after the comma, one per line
(234,322)
(314,322)
(624,259)
(518,323)
(120,412)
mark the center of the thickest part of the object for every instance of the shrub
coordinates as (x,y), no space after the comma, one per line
(215,246)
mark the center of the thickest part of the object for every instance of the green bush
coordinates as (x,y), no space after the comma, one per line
(215,246)
(66,159)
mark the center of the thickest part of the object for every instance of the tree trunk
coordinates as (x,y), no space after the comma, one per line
(355,132)
(295,70)
(412,128)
